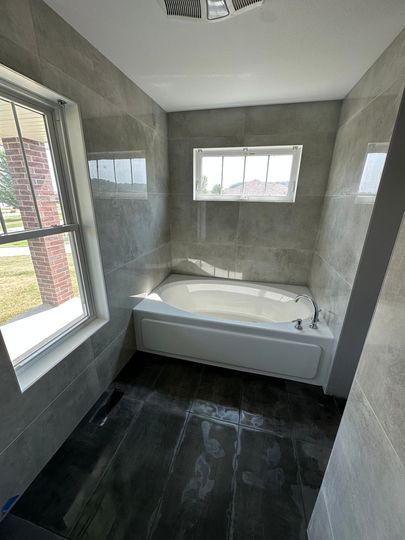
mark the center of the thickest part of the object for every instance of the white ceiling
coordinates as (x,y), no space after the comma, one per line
(285,51)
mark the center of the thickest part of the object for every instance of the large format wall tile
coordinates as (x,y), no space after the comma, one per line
(288,230)
(193,221)
(389,66)
(284,226)
(319,116)
(212,123)
(331,292)
(368,116)
(381,372)
(363,491)
(276,265)
(134,234)
(343,229)
(364,483)
(211,260)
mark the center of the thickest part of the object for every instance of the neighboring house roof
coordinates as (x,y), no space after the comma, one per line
(255,187)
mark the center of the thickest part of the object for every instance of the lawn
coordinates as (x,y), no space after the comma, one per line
(19,291)
(13,221)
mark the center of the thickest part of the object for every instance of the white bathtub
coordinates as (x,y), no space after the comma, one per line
(234,324)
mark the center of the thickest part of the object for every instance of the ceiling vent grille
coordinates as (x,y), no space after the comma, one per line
(184,8)
(241,4)
(207,10)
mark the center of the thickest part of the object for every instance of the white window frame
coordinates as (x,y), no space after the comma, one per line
(66,135)
(295,150)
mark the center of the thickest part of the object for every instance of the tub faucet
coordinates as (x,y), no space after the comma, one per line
(315,318)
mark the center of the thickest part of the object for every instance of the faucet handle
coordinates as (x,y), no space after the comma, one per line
(298,324)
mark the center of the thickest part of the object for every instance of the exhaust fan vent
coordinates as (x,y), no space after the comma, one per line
(241,4)
(207,10)
(184,8)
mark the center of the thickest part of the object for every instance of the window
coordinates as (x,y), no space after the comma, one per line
(119,174)
(261,173)
(46,283)
(372,171)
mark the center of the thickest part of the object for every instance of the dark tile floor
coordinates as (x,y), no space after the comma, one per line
(177,450)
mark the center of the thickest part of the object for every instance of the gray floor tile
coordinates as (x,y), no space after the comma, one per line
(198,496)
(268,500)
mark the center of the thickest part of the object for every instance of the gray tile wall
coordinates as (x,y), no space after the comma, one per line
(134,234)
(368,116)
(252,241)
(363,491)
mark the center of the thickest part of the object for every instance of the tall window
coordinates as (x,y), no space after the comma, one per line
(262,173)
(44,286)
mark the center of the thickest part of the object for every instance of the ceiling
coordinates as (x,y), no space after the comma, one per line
(285,51)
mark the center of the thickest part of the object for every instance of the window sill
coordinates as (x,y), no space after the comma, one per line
(246,199)
(30,373)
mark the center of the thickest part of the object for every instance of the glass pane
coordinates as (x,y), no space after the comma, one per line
(279,175)
(217,9)
(233,175)
(16,198)
(211,172)
(373,168)
(106,175)
(139,174)
(40,165)
(255,175)
(39,293)
(123,174)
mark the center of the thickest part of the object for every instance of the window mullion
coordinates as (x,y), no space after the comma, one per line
(17,123)
(222,174)
(115,176)
(3,223)
(244,173)
(267,173)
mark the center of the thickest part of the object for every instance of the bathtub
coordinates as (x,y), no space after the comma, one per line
(235,324)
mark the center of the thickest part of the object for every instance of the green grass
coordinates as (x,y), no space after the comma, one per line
(20,243)
(19,291)
(13,220)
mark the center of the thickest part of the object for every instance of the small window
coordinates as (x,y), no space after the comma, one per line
(372,171)
(261,173)
(45,282)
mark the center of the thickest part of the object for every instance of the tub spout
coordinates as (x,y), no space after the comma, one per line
(315,318)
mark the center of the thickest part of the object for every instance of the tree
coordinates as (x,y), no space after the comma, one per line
(202,184)
(217,189)
(7,190)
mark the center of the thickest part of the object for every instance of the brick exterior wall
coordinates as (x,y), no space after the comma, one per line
(48,253)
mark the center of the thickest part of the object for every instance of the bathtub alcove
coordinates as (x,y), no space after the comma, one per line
(235,324)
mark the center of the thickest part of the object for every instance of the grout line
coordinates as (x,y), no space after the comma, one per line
(146,254)
(107,468)
(334,271)
(360,111)
(234,486)
(154,519)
